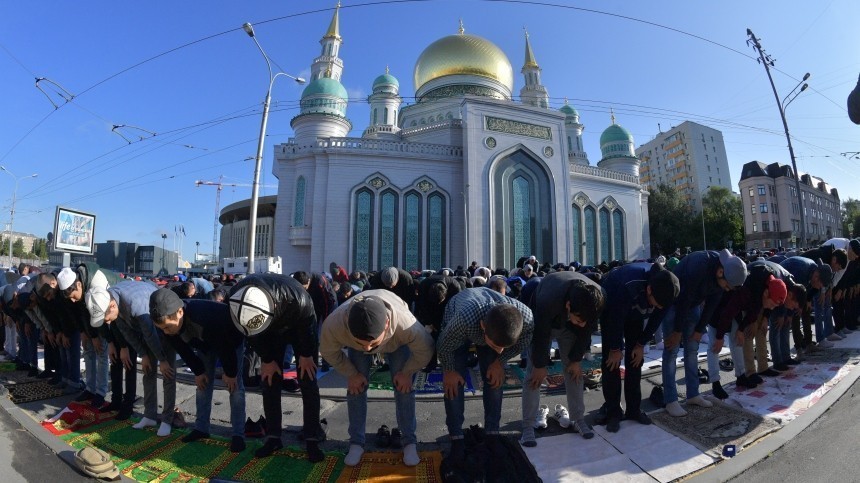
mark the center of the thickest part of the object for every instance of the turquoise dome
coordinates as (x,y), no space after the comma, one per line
(615,133)
(568,110)
(386,79)
(326,86)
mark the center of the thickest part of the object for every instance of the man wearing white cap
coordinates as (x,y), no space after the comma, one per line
(377,322)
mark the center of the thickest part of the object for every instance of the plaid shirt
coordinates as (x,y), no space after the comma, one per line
(462,324)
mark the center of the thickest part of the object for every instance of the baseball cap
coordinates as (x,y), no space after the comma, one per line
(97,300)
(164,302)
(66,278)
(776,290)
(96,463)
(734,269)
(367,318)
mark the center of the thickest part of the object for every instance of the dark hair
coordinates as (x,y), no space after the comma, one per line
(503,324)
(798,291)
(437,293)
(302,277)
(42,284)
(497,283)
(586,301)
(841,257)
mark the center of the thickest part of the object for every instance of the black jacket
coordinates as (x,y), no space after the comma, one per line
(207,327)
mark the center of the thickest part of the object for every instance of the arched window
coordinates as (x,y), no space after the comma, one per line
(363,230)
(387,229)
(605,236)
(618,234)
(374,116)
(577,233)
(385,116)
(395,117)
(590,236)
(299,208)
(436,219)
(412,232)
(522,222)
(569,144)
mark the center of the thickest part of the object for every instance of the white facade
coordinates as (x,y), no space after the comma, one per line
(466,173)
(691,157)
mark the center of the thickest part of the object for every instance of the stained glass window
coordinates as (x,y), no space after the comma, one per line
(590,236)
(605,236)
(522,229)
(387,229)
(299,212)
(363,231)
(618,234)
(577,233)
(412,232)
(436,231)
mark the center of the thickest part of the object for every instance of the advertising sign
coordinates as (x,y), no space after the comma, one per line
(74,231)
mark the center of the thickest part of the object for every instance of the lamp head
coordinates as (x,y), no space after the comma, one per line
(249,29)
(300,80)
(804,87)
(806,76)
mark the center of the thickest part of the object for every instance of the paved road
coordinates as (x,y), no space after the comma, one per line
(24,458)
(825,450)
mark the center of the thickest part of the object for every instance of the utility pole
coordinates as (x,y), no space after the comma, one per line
(768,62)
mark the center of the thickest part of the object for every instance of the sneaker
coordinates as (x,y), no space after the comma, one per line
(675,410)
(383,437)
(561,415)
(718,391)
(640,418)
(584,429)
(700,401)
(540,419)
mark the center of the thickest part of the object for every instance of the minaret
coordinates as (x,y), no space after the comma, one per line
(533,93)
(328,64)
(384,107)
(573,131)
(616,146)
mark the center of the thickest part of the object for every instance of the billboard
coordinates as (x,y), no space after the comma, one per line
(74,231)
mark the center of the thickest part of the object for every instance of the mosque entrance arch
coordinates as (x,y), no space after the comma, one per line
(521,194)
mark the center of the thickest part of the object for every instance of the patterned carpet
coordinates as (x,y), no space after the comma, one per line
(32,391)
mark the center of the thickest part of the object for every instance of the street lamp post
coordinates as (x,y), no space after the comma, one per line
(197,254)
(258,161)
(767,61)
(163,239)
(12,211)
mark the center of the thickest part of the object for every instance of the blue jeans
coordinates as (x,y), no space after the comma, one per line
(780,351)
(823,318)
(404,404)
(455,408)
(714,359)
(237,398)
(29,353)
(97,367)
(691,351)
(70,360)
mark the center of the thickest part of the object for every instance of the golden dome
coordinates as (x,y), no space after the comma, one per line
(463,54)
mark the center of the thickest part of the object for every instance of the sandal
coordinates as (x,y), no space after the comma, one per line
(383,437)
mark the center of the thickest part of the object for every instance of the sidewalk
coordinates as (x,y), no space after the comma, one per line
(764,419)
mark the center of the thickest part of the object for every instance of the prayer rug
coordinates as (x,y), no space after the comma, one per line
(16,377)
(835,355)
(422,382)
(712,428)
(76,417)
(388,467)
(32,391)
(291,373)
(514,377)
(8,367)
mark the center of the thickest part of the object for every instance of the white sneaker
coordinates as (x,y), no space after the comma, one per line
(562,416)
(540,419)
(700,401)
(674,409)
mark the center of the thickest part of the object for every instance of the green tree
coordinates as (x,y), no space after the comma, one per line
(851,215)
(669,220)
(18,248)
(723,218)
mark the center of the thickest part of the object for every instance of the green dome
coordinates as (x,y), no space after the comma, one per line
(568,110)
(326,86)
(386,79)
(615,133)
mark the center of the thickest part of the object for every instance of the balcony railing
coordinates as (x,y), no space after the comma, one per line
(377,145)
(604,173)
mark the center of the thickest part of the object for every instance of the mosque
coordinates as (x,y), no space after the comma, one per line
(464,173)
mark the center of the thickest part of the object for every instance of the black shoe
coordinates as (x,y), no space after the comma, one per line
(640,418)
(113,406)
(85,396)
(718,391)
(97,401)
(45,375)
(472,361)
(291,385)
(124,413)
(770,372)
(270,446)
(755,379)
(395,438)
(727,365)
(237,444)
(194,435)
(253,429)
(792,362)
(321,432)
(613,424)
(745,382)
(458,450)
(383,437)
(782,367)
(478,433)
(315,454)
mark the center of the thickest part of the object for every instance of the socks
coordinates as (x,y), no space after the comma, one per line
(163,430)
(528,437)
(145,423)
(410,455)
(354,456)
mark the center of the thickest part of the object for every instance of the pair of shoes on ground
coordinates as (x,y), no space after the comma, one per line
(561,415)
(388,439)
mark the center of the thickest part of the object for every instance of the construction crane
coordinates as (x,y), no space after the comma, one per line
(220,186)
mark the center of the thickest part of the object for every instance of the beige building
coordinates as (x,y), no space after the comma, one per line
(772,210)
(690,157)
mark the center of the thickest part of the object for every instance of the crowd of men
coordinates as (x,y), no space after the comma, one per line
(418,321)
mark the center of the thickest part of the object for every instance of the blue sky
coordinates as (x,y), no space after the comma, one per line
(652,62)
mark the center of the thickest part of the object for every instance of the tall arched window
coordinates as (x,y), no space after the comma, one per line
(299,208)
(387,229)
(436,231)
(569,144)
(522,218)
(590,236)
(385,116)
(374,116)
(605,236)
(412,232)
(363,230)
(577,233)
(618,234)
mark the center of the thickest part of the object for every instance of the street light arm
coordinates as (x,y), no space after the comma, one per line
(266,58)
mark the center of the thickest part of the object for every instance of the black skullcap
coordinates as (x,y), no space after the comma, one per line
(367,318)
